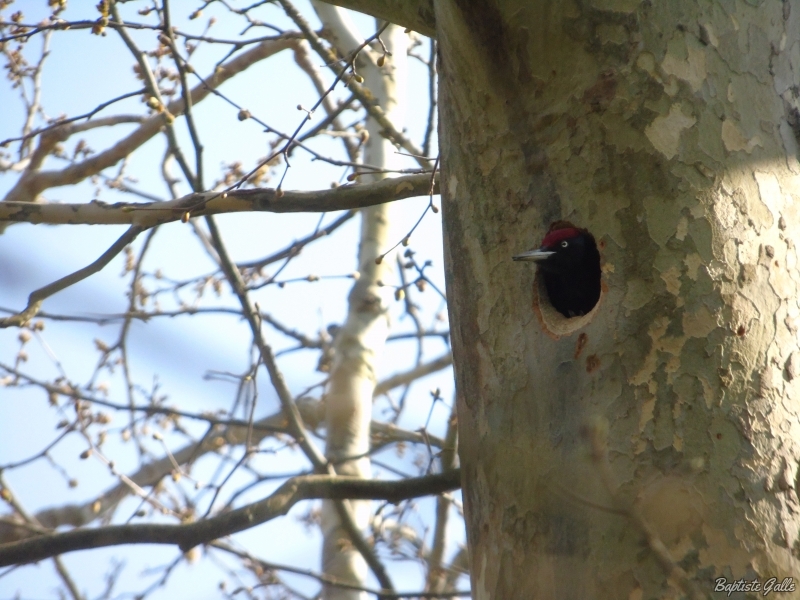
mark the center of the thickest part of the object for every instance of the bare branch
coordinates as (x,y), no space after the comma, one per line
(307,487)
(146,215)
(413,374)
(38,296)
(88,115)
(298,245)
(229,432)
(436,578)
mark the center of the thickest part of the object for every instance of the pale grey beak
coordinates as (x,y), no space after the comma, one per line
(534,255)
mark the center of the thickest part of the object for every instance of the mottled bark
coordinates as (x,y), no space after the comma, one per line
(658,435)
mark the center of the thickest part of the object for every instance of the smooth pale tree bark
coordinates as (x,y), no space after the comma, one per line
(360,341)
(413,14)
(652,446)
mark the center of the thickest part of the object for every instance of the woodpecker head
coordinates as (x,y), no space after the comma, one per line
(562,250)
(570,264)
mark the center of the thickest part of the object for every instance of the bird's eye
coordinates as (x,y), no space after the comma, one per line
(564,244)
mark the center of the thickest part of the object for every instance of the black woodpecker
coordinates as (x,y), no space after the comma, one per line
(570,265)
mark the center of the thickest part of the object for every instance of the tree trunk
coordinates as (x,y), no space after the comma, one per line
(360,341)
(651,446)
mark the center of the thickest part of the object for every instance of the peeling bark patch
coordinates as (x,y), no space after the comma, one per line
(772,198)
(524,74)
(707,36)
(452,186)
(600,95)
(672,279)
(637,294)
(583,339)
(662,345)
(647,412)
(665,131)
(693,263)
(700,323)
(792,366)
(673,507)
(735,140)
(686,60)
(592,363)
(785,482)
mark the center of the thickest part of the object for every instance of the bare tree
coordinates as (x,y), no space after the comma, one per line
(186,477)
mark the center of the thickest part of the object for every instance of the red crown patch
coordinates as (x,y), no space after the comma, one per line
(555,236)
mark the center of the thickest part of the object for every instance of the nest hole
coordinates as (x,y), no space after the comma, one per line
(589,286)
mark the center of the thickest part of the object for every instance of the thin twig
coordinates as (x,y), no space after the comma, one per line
(63,122)
(38,296)
(333,581)
(330,59)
